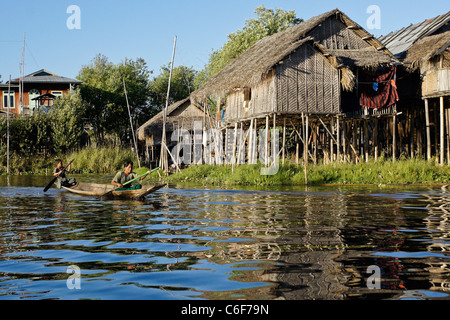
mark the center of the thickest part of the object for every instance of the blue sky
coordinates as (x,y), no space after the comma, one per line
(146,29)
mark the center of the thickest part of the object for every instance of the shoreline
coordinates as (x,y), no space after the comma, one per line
(407,172)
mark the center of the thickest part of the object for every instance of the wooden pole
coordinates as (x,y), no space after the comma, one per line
(366,139)
(338,132)
(250,143)
(411,132)
(305,147)
(375,140)
(284,141)
(131,124)
(428,131)
(355,140)
(266,143)
(272,142)
(234,147)
(447,124)
(394,137)
(164,164)
(344,138)
(331,141)
(441,153)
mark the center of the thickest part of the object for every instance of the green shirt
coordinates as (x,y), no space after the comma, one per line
(121,178)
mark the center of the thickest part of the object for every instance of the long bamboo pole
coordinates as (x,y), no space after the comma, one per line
(131,123)
(428,131)
(442,130)
(163,158)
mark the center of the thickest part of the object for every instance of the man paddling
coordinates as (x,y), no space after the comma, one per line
(61,175)
(124,176)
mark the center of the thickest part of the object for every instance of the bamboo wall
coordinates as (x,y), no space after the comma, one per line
(307,82)
(261,102)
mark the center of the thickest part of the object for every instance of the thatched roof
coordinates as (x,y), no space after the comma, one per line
(175,117)
(254,64)
(363,58)
(427,48)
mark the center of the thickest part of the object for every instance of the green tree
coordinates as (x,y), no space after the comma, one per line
(181,86)
(267,22)
(103,90)
(67,117)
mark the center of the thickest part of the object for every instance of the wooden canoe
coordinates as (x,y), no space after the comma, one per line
(96,189)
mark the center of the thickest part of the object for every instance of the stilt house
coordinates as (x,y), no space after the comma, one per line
(424,49)
(324,68)
(180,115)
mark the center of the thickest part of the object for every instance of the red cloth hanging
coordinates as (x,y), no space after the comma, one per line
(386,93)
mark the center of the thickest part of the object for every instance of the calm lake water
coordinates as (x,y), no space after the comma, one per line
(193,242)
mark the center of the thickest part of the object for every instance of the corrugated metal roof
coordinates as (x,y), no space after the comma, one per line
(44,76)
(398,42)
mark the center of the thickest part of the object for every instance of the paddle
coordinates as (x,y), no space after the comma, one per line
(128,182)
(54,179)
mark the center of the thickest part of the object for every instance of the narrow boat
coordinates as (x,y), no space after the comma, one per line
(104,190)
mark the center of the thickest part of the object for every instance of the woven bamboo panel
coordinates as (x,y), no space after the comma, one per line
(292,97)
(430,84)
(307,82)
(333,34)
(446,60)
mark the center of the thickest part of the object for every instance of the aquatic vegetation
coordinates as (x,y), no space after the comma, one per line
(408,171)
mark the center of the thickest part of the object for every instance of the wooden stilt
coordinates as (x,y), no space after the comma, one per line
(441,130)
(266,143)
(284,141)
(331,141)
(375,140)
(354,139)
(344,142)
(366,140)
(338,133)
(428,130)
(234,147)
(419,139)
(447,133)
(307,147)
(250,143)
(272,142)
(297,148)
(394,137)
(411,133)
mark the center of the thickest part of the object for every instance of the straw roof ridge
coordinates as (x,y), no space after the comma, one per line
(255,63)
(160,116)
(251,66)
(367,58)
(427,48)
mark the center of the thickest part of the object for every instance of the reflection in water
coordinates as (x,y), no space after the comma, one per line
(197,243)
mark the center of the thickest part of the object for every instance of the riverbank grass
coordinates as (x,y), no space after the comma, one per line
(100,160)
(411,171)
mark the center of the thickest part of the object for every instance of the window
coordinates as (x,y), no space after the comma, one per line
(11,99)
(247,94)
(58,94)
(34,93)
(247,97)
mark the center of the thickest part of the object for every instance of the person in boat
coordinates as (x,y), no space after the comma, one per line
(62,180)
(124,176)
